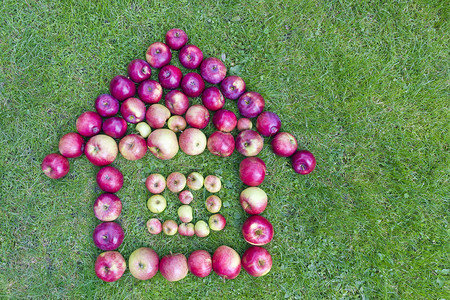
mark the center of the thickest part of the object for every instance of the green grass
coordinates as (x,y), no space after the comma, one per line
(365,87)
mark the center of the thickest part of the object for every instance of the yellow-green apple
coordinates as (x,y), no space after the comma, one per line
(155,183)
(110,179)
(101,150)
(154,226)
(257,261)
(108,236)
(194,181)
(226,262)
(250,104)
(253,200)
(157,115)
(89,123)
(257,230)
(201,229)
(156,204)
(110,266)
(192,141)
(249,142)
(55,166)
(217,222)
(170,227)
(185,213)
(252,171)
(107,207)
(71,145)
(213,204)
(133,147)
(284,144)
(200,263)
(143,263)
(176,182)
(158,55)
(144,129)
(163,143)
(173,267)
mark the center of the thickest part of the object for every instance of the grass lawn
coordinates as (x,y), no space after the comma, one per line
(365,87)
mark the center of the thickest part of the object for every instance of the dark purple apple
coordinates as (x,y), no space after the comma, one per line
(106,105)
(303,162)
(176,102)
(133,147)
(200,263)
(55,166)
(150,91)
(192,84)
(110,266)
(122,88)
(249,143)
(268,123)
(71,145)
(176,38)
(224,120)
(257,261)
(115,127)
(89,123)
(107,207)
(212,98)
(251,104)
(226,262)
(252,171)
(257,230)
(170,77)
(133,110)
(213,70)
(197,116)
(101,150)
(284,144)
(232,87)
(221,144)
(108,236)
(110,179)
(158,55)
(191,57)
(173,267)
(139,70)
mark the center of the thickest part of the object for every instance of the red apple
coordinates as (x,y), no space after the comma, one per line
(133,147)
(226,262)
(176,38)
(157,115)
(158,55)
(284,144)
(200,263)
(192,141)
(155,183)
(157,204)
(191,57)
(176,102)
(232,87)
(173,267)
(154,226)
(217,222)
(115,127)
(212,183)
(143,263)
(106,105)
(122,88)
(185,197)
(213,70)
(150,91)
(133,110)
(221,144)
(197,116)
(55,166)
(257,230)
(251,104)
(107,207)
(176,182)
(303,162)
(213,204)
(268,123)
(212,98)
(71,145)
(249,143)
(253,200)
(257,261)
(186,229)
(108,236)
(192,84)
(101,150)
(224,120)
(244,124)
(170,77)
(110,179)
(163,143)
(139,70)
(176,123)
(252,171)
(170,227)
(110,266)
(89,123)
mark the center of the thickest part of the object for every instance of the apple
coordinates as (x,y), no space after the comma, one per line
(144,129)
(173,267)
(252,171)
(89,123)
(163,143)
(157,115)
(158,55)
(122,88)
(244,124)
(133,110)
(190,57)
(115,127)
(213,204)
(249,142)
(268,123)
(226,262)
(197,116)
(185,213)
(170,77)
(213,70)
(143,263)
(257,230)
(150,91)
(110,266)
(192,141)
(194,181)
(176,123)
(284,144)
(133,147)
(107,207)
(55,166)
(185,197)
(176,102)
(253,200)
(154,226)
(192,84)
(176,38)
(217,222)
(212,184)
(108,236)
(257,261)
(250,104)
(212,98)
(110,179)
(155,183)
(176,182)
(106,105)
(221,144)
(225,120)
(170,227)
(201,229)
(156,204)
(101,150)
(200,263)
(303,162)
(139,70)
(71,145)
(186,229)
(232,87)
